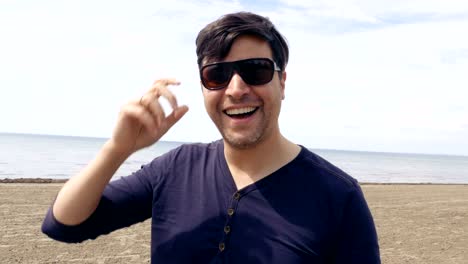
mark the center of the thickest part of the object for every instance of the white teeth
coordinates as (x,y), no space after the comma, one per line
(240,111)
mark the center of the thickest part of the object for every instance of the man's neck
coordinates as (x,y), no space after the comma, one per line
(252,164)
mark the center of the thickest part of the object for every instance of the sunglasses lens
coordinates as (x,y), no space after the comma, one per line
(256,71)
(253,72)
(216,75)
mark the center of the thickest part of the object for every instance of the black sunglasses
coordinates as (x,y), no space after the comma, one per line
(256,71)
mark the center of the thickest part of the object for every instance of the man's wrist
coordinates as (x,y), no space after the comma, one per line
(114,151)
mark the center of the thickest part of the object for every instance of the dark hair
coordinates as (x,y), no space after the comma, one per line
(215,40)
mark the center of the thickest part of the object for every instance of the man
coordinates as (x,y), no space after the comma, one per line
(252,197)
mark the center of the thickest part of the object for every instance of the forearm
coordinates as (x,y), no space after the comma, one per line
(141,123)
(80,196)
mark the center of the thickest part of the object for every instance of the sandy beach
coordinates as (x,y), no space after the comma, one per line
(416,224)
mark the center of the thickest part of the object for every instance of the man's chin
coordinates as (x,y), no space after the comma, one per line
(243,142)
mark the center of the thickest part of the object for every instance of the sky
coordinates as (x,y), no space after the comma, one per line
(367,75)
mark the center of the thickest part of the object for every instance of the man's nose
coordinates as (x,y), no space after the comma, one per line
(237,88)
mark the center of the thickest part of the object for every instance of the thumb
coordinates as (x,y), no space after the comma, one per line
(175,116)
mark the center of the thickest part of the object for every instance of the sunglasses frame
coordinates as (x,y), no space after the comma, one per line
(235,68)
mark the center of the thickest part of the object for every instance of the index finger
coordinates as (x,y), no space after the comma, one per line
(170,97)
(166,82)
(160,88)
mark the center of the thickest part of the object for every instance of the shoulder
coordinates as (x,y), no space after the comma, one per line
(326,182)
(323,173)
(193,150)
(180,161)
(186,155)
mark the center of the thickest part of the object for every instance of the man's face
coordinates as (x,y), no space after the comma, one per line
(246,114)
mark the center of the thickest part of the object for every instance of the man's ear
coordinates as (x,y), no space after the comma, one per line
(283,83)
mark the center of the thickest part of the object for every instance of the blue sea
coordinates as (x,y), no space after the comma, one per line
(59,157)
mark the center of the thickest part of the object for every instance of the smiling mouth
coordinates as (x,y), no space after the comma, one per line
(241,112)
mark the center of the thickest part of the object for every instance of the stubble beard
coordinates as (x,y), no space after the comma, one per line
(249,138)
(242,143)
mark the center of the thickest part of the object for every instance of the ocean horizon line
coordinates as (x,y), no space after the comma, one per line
(189,142)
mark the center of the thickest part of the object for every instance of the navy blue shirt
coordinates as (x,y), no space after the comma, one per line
(308,211)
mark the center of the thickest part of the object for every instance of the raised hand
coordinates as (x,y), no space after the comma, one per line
(143,122)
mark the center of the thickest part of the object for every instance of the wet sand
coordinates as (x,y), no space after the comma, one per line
(416,224)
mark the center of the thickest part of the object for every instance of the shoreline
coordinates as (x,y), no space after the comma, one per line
(32,180)
(50,180)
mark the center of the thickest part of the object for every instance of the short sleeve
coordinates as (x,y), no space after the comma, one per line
(124,202)
(357,239)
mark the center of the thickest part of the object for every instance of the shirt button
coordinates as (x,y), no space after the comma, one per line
(227,229)
(237,196)
(230,211)
(221,246)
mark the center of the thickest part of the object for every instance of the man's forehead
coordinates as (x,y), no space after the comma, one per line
(258,47)
(212,61)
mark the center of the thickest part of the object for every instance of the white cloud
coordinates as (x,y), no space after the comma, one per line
(323,9)
(370,10)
